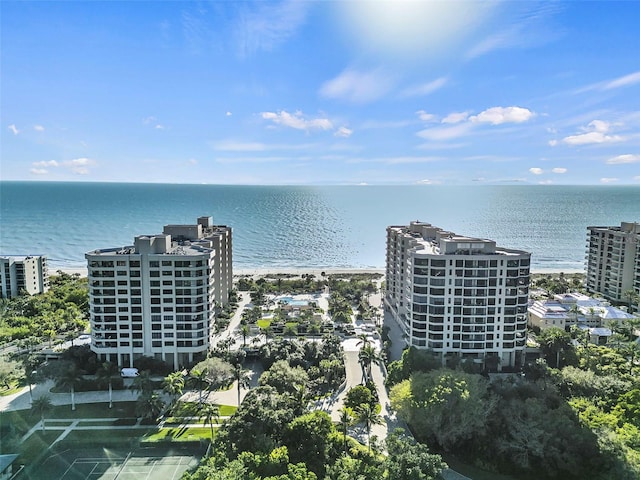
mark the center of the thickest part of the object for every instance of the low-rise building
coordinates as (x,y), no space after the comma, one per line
(576,309)
(23,274)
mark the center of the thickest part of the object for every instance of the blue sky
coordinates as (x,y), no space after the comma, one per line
(290,92)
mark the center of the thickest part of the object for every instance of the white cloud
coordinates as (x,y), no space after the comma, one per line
(343,132)
(79,162)
(553,143)
(428,181)
(445,133)
(425,88)
(238,146)
(624,81)
(38,171)
(637,178)
(38,128)
(455,117)
(409,160)
(536,170)
(620,159)
(45,163)
(152,121)
(426,117)
(297,120)
(596,132)
(234,146)
(499,115)
(79,166)
(608,180)
(545,182)
(358,87)
(559,170)
(12,128)
(619,82)
(228,114)
(265,25)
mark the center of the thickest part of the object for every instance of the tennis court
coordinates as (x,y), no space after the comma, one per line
(111,464)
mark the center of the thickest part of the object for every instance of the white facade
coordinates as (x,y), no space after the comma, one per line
(18,274)
(158,297)
(456,295)
(613,260)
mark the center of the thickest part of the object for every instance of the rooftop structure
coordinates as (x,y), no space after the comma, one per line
(458,296)
(158,297)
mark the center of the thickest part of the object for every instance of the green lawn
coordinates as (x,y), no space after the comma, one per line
(191,409)
(177,434)
(263,323)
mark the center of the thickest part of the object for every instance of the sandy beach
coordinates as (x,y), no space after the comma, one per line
(261,272)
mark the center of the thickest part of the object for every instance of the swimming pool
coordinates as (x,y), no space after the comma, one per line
(293,302)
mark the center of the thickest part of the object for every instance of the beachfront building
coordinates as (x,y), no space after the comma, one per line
(568,309)
(459,296)
(158,297)
(613,261)
(23,274)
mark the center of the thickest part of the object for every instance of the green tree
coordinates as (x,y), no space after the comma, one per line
(283,377)
(307,440)
(211,415)
(359,395)
(9,371)
(105,374)
(367,356)
(244,331)
(408,460)
(41,406)
(198,378)
(143,384)
(555,344)
(219,373)
(370,416)
(347,417)
(242,377)
(444,406)
(69,378)
(173,384)
(149,405)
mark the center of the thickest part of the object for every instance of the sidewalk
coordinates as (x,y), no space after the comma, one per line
(22,399)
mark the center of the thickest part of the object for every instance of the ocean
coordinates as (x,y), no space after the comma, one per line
(279,227)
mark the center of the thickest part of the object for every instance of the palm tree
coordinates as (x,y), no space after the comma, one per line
(244,331)
(70,378)
(632,350)
(363,340)
(41,406)
(105,374)
(242,376)
(369,416)
(173,384)
(346,420)
(210,412)
(367,356)
(199,379)
(149,405)
(142,383)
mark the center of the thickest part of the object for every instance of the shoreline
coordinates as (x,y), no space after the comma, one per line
(317,272)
